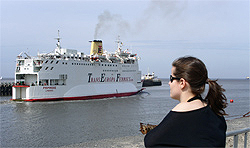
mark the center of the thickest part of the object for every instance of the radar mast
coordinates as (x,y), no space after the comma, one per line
(58,41)
(119,44)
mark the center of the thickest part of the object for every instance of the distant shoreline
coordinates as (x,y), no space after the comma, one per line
(8,79)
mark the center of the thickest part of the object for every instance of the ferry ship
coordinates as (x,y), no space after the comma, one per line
(66,74)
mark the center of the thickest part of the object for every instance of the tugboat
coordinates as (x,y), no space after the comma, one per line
(67,74)
(150,80)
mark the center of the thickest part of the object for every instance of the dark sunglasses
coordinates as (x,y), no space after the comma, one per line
(173,78)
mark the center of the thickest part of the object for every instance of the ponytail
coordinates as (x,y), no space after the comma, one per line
(216,98)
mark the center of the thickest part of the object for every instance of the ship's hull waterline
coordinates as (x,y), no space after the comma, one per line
(81,97)
(81,92)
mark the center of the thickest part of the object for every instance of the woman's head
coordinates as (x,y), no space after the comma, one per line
(193,71)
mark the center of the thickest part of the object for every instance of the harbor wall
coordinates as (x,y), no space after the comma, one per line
(6,88)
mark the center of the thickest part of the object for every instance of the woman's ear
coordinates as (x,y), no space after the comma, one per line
(183,83)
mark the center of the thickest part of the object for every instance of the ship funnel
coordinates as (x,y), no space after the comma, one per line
(96,47)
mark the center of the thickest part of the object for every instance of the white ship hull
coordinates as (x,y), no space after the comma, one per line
(75,77)
(80,92)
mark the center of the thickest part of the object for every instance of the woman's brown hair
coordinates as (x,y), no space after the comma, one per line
(194,71)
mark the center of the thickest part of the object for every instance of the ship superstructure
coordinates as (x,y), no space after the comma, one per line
(66,74)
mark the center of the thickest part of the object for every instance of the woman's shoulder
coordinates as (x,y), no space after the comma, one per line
(189,106)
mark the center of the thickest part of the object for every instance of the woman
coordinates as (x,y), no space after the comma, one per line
(194,122)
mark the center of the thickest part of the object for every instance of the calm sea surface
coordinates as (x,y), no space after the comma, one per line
(52,124)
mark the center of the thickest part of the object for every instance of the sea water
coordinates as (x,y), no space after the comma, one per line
(53,124)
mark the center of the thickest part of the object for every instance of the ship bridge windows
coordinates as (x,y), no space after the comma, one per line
(129,61)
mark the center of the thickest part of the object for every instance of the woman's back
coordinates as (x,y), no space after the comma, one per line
(197,128)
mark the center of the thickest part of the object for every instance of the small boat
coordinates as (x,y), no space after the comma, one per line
(150,80)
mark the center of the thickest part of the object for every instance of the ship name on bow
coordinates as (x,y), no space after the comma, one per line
(103,78)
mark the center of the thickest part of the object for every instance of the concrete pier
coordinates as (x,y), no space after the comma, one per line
(6,88)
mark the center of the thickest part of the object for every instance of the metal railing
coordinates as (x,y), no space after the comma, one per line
(236,133)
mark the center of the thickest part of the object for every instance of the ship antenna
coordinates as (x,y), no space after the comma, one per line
(58,41)
(119,44)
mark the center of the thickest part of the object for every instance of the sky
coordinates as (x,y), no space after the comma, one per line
(215,31)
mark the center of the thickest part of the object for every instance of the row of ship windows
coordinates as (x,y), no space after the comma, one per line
(128,70)
(103,70)
(110,70)
(87,64)
(51,62)
(48,67)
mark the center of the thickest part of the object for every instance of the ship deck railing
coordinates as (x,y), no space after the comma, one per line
(41,84)
(235,135)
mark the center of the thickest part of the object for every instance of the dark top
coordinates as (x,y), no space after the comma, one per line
(197,128)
